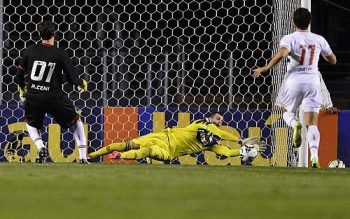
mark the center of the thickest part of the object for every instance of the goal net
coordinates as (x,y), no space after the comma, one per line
(152,64)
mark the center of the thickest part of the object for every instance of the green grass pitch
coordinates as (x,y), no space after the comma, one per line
(97,191)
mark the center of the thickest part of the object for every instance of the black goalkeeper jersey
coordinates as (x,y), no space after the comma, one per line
(44,64)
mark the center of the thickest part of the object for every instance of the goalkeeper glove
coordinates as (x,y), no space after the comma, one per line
(261,146)
(83,87)
(252,140)
(22,93)
(255,142)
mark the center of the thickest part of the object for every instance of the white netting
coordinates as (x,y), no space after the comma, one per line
(152,64)
(285,154)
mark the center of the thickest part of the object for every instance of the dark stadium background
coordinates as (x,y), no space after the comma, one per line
(332,20)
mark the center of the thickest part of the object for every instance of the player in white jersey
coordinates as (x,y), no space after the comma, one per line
(327,103)
(302,85)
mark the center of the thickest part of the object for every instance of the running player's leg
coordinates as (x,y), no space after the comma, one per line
(65,114)
(292,121)
(292,98)
(80,139)
(34,115)
(313,137)
(311,106)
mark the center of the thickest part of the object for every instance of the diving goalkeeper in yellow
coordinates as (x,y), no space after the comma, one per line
(165,145)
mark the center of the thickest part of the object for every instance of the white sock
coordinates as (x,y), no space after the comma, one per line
(82,152)
(290,119)
(313,139)
(35,136)
(80,139)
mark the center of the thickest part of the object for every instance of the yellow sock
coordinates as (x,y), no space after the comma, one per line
(136,154)
(154,152)
(108,149)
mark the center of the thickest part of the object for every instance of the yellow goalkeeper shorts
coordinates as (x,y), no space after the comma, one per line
(158,144)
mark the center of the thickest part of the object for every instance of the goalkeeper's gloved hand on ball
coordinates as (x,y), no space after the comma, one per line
(255,142)
(252,140)
(83,87)
(22,93)
(261,146)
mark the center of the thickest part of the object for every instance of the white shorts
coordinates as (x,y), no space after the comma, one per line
(306,95)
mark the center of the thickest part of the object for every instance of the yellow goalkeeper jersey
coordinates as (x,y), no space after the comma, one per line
(184,141)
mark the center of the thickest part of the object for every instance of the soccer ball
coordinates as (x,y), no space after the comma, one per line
(247,154)
(336,164)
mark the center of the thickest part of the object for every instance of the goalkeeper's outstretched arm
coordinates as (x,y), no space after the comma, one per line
(225,151)
(233,138)
(222,134)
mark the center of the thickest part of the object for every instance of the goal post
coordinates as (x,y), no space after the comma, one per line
(153,64)
(303,160)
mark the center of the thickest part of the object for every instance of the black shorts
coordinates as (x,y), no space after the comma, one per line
(60,108)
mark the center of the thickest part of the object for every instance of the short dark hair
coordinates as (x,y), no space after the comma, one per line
(46,29)
(214,113)
(302,18)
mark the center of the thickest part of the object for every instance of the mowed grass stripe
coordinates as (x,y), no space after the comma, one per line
(171,191)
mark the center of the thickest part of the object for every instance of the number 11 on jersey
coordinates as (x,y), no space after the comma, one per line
(310,49)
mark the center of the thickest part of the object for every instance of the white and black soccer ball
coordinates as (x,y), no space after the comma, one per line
(336,164)
(247,154)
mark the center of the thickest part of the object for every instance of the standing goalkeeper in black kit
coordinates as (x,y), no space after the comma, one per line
(42,91)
